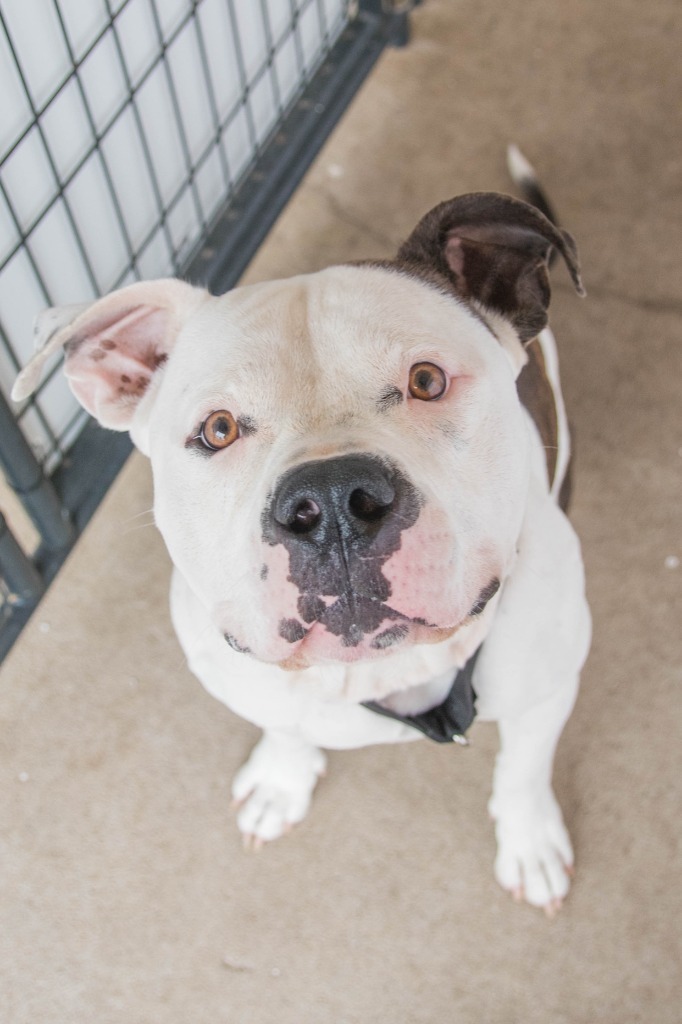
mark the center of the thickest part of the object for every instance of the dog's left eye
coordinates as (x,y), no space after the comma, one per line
(427,382)
(219,430)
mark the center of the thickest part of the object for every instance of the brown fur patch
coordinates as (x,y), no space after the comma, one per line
(536,394)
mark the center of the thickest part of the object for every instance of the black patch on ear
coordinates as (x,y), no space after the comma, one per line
(495,250)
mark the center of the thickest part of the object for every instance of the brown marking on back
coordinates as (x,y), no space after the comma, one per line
(536,394)
(566,490)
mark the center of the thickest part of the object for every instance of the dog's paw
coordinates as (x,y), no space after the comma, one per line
(273,790)
(534,854)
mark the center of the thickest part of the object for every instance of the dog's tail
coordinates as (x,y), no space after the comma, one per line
(526,180)
(525,177)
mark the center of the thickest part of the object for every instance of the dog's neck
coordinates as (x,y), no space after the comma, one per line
(417,699)
(442,716)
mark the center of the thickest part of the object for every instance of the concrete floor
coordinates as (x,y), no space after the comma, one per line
(126,894)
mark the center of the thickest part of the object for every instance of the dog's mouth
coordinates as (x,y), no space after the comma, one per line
(345,630)
(351,619)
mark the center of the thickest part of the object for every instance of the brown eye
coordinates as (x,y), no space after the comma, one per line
(219,430)
(427,382)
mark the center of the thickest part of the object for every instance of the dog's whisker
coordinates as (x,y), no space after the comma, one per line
(140,526)
(138,515)
(128,528)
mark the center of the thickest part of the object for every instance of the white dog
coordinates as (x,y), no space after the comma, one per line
(359,475)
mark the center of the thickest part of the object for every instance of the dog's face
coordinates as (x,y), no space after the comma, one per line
(340,460)
(343,469)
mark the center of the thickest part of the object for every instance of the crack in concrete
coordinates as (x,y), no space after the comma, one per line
(344,215)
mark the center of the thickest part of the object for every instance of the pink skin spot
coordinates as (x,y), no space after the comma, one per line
(282,594)
(420,571)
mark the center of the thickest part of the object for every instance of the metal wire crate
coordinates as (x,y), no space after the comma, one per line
(141,139)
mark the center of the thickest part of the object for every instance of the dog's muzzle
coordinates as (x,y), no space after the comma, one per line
(340,519)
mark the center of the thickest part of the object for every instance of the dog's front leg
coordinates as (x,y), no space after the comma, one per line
(534,854)
(274,788)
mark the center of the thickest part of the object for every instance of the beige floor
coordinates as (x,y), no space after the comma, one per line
(126,894)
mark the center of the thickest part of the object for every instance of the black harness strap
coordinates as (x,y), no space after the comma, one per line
(448,722)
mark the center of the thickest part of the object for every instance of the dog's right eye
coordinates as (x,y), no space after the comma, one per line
(218,431)
(427,382)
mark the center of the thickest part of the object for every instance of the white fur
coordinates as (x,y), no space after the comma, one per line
(551,358)
(519,167)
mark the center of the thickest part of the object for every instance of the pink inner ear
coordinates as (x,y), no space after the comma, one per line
(110,361)
(454,257)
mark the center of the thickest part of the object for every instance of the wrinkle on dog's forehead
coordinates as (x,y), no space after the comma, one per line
(257,350)
(334,335)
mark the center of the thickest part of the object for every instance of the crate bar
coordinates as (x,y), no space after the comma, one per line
(232,242)
(395,17)
(37,492)
(19,574)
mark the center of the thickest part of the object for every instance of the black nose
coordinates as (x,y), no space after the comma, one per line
(352,494)
(340,520)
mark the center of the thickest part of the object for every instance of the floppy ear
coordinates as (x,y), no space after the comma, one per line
(495,250)
(113,347)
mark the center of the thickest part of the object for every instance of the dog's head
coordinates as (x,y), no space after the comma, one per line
(340,460)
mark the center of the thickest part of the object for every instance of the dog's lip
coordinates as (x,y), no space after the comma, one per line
(485,597)
(426,632)
(401,626)
(319,646)
(391,616)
